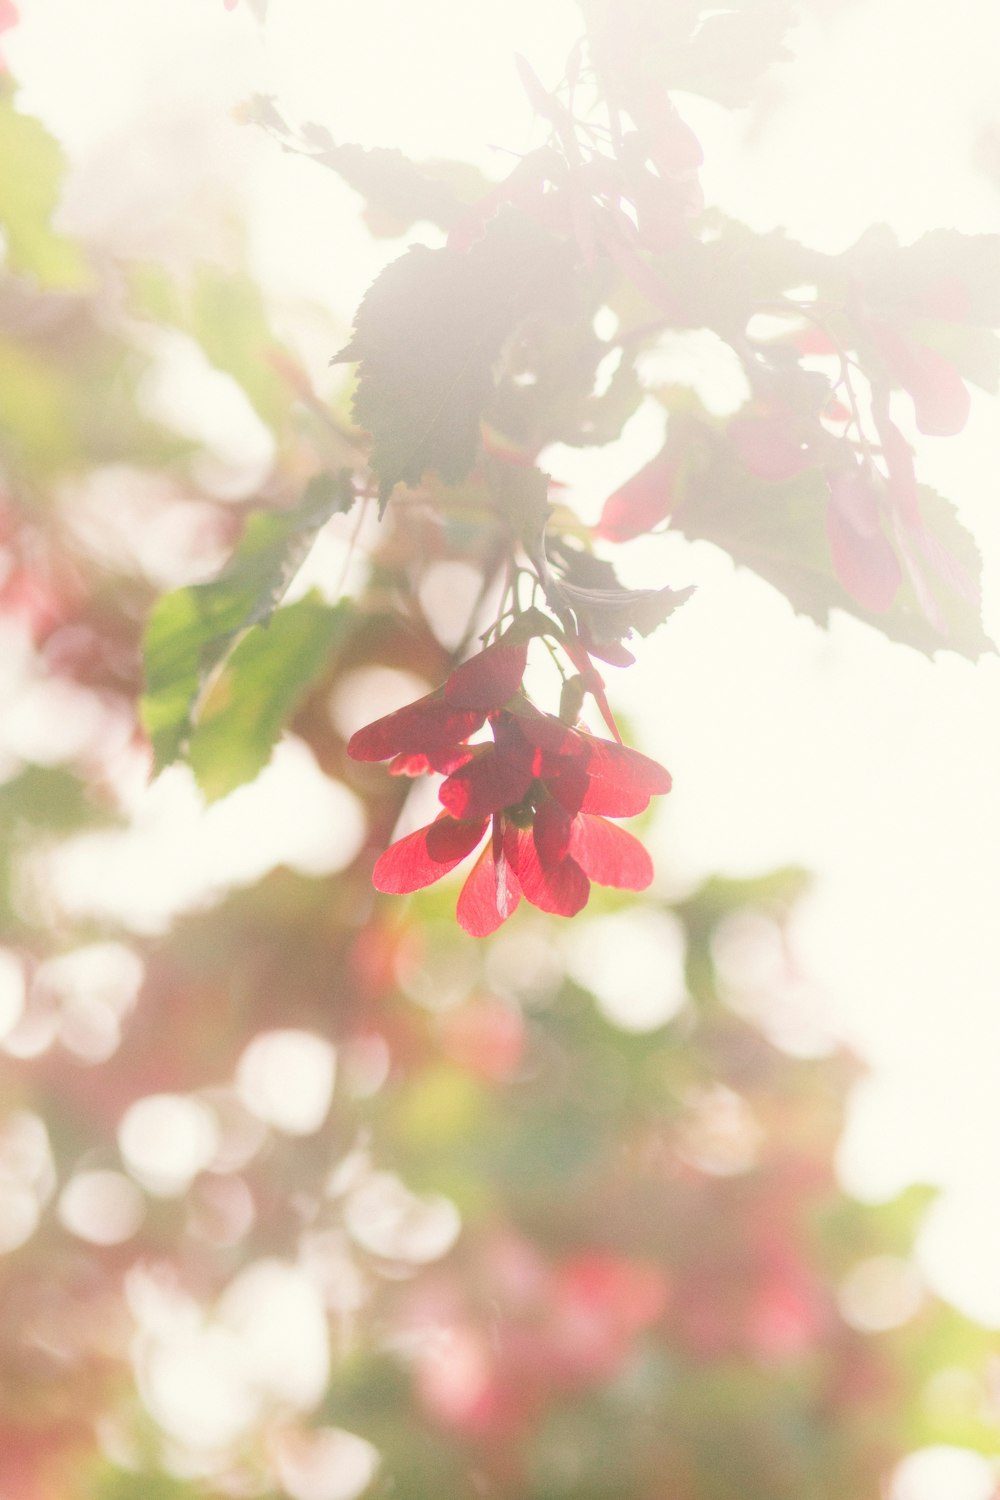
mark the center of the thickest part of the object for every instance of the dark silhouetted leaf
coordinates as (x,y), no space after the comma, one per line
(605,609)
(550,395)
(427,335)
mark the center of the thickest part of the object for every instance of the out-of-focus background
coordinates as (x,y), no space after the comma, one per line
(139,414)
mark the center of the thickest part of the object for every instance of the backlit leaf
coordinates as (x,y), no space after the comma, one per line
(944,274)
(400,192)
(427,335)
(31,168)
(192,630)
(224,313)
(779,530)
(262,683)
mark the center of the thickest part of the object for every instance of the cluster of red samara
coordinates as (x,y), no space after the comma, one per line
(542,790)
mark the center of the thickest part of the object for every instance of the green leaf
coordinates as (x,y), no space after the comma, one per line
(224,313)
(427,335)
(70,387)
(31,169)
(113,1483)
(192,630)
(260,687)
(37,414)
(779,530)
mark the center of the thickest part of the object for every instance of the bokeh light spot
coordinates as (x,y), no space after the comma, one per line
(286,1079)
(324,1464)
(881,1292)
(27,1176)
(719,1133)
(277,1314)
(384,1217)
(943,1472)
(369,693)
(103,1207)
(11,991)
(165,1140)
(633,964)
(94,988)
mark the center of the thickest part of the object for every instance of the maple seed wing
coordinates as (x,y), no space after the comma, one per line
(485,785)
(487,680)
(486,901)
(610,855)
(423,857)
(641,503)
(560,887)
(418,728)
(621,780)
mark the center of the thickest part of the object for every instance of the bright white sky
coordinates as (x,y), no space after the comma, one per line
(860,760)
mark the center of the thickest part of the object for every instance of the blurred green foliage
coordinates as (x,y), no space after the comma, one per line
(547,1255)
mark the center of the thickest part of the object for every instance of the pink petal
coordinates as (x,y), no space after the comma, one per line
(486,681)
(677,151)
(567,781)
(940,397)
(532,730)
(613,652)
(642,502)
(409,765)
(420,727)
(551,829)
(423,857)
(854,492)
(610,855)
(812,340)
(485,785)
(489,896)
(561,888)
(442,761)
(620,780)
